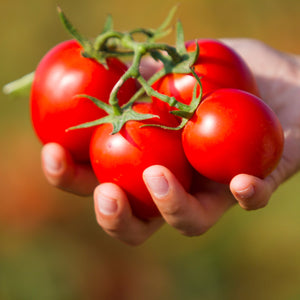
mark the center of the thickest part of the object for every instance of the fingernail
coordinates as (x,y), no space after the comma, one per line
(246,193)
(52,165)
(106,205)
(158,185)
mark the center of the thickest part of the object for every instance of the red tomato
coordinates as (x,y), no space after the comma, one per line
(62,74)
(233,132)
(121,158)
(218,66)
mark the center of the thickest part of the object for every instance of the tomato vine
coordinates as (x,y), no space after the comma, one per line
(112,43)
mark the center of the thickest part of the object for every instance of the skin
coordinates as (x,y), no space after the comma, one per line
(278,78)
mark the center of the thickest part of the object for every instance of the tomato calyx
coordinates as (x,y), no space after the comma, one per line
(114,117)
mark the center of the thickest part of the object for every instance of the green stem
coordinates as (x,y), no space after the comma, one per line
(147,32)
(141,91)
(19,87)
(132,72)
(113,99)
(170,100)
(172,51)
(104,37)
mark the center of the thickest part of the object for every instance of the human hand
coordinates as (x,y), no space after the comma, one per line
(278,78)
(62,172)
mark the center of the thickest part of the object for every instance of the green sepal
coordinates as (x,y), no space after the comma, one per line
(109,24)
(196,100)
(188,59)
(179,127)
(117,121)
(129,115)
(163,29)
(189,110)
(168,19)
(188,113)
(180,41)
(106,107)
(89,49)
(84,42)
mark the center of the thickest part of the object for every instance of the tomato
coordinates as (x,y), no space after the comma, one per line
(121,158)
(62,74)
(233,132)
(218,66)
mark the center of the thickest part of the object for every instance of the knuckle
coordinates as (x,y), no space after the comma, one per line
(110,225)
(112,228)
(248,206)
(253,205)
(118,230)
(172,210)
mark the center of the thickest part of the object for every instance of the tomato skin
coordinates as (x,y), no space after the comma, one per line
(233,132)
(62,74)
(121,158)
(218,66)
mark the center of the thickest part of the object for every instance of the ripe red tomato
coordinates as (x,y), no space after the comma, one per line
(62,74)
(121,158)
(218,66)
(233,132)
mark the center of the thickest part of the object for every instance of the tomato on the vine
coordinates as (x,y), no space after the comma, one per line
(121,158)
(218,66)
(233,132)
(62,74)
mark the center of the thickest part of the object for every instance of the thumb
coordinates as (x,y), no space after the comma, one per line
(252,192)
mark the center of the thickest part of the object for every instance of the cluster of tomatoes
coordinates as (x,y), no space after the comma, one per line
(231,132)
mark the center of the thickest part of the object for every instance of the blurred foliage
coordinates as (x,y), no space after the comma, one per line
(50,244)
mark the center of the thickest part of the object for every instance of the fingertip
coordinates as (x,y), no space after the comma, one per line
(166,191)
(54,161)
(251,192)
(156,181)
(242,186)
(177,207)
(110,200)
(114,215)
(63,172)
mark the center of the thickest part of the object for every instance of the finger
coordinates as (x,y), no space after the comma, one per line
(62,172)
(149,66)
(252,192)
(114,215)
(190,215)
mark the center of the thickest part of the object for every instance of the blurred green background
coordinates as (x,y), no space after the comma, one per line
(50,244)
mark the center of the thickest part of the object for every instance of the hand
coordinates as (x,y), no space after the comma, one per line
(62,172)
(278,78)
